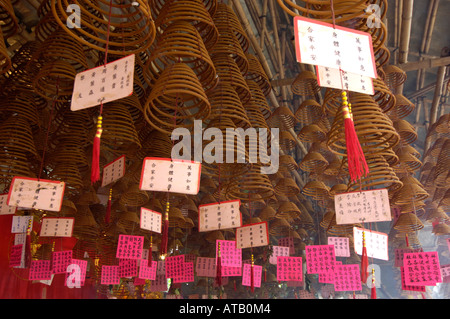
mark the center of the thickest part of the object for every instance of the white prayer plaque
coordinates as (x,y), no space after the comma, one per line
(223,215)
(32,193)
(252,235)
(376,243)
(151,220)
(318,43)
(20,224)
(113,171)
(362,207)
(342,80)
(170,175)
(104,83)
(57,227)
(4,208)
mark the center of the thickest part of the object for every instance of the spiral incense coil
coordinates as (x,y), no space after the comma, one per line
(312,133)
(308,112)
(408,222)
(305,84)
(256,117)
(96,25)
(382,56)
(394,76)
(317,190)
(176,97)
(5,60)
(282,118)
(10,24)
(268,214)
(256,73)
(55,81)
(402,108)
(409,161)
(442,166)
(383,96)
(181,43)
(443,124)
(226,103)
(328,223)
(406,131)
(157,5)
(134,197)
(313,162)
(412,190)
(192,11)
(16,135)
(279,226)
(286,141)
(334,168)
(22,104)
(252,182)
(258,99)
(287,163)
(69,174)
(14,163)
(286,186)
(72,126)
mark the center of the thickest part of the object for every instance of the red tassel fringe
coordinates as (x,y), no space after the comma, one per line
(252,280)
(373,294)
(357,165)
(364,265)
(150,251)
(219,271)
(165,236)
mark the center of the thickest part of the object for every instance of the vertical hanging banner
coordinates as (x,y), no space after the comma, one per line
(4,208)
(20,239)
(113,171)
(376,243)
(104,83)
(252,235)
(57,227)
(362,207)
(336,47)
(151,220)
(218,216)
(32,193)
(167,175)
(15,255)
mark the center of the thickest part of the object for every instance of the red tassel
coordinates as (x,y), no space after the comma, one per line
(165,232)
(252,280)
(373,294)
(407,240)
(219,267)
(364,261)
(150,251)
(357,165)
(28,245)
(95,168)
(108,208)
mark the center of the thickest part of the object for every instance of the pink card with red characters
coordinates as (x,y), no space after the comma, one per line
(146,272)
(347,278)
(398,262)
(229,254)
(205,267)
(319,258)
(110,275)
(138,281)
(422,268)
(287,242)
(407,287)
(174,266)
(76,273)
(159,284)
(128,268)
(15,255)
(341,246)
(186,274)
(40,270)
(246,275)
(60,261)
(289,268)
(278,251)
(130,247)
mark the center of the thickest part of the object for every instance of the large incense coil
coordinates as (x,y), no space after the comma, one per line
(338,189)
(287,163)
(181,43)
(305,84)
(442,166)
(433,152)
(403,107)
(70,175)
(406,131)
(286,186)
(383,96)
(394,76)
(312,133)
(14,163)
(279,226)
(287,210)
(286,142)
(155,144)
(134,197)
(157,5)
(175,97)
(258,99)
(10,23)
(96,25)
(256,73)
(256,117)
(374,129)
(408,222)
(328,223)
(268,213)
(410,162)
(443,124)
(16,135)
(72,126)
(316,189)
(54,81)
(313,162)
(192,11)
(382,56)
(22,104)
(5,60)
(411,190)
(283,118)
(334,168)
(229,73)
(226,103)
(308,112)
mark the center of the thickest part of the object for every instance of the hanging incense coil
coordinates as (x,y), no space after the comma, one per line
(257,74)
(134,197)
(316,189)
(328,223)
(16,135)
(175,94)
(14,163)
(279,226)
(383,95)
(70,175)
(287,163)
(287,142)
(313,162)
(403,107)
(252,182)
(417,207)
(308,112)
(442,166)
(412,190)
(287,210)
(21,103)
(409,161)
(258,99)
(334,168)
(96,26)
(10,23)
(54,81)
(408,222)
(268,213)
(305,84)
(338,189)
(157,5)
(394,76)
(181,43)
(312,133)
(282,118)
(286,186)
(435,149)
(441,229)
(443,124)
(406,131)
(192,11)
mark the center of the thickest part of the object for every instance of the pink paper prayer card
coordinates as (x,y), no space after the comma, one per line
(409,287)
(376,243)
(103,84)
(128,268)
(159,284)
(246,275)
(60,261)
(362,206)
(130,247)
(252,235)
(223,215)
(32,193)
(287,242)
(170,175)
(151,220)
(4,208)
(343,80)
(113,171)
(229,254)
(57,227)
(110,275)
(15,255)
(422,268)
(319,258)
(341,246)
(399,252)
(174,266)
(187,273)
(289,268)
(40,270)
(445,273)
(336,47)
(278,251)
(76,273)
(205,267)
(146,272)
(347,278)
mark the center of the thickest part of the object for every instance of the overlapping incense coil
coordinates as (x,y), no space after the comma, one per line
(402,108)
(316,189)
(181,43)
(21,103)
(408,222)
(312,133)
(175,97)
(157,5)
(283,118)
(383,95)
(286,186)
(268,213)
(16,136)
(394,76)
(134,197)
(130,27)
(308,112)
(192,11)
(287,210)
(258,99)
(10,23)
(287,163)
(441,173)
(286,142)
(14,163)
(256,73)
(328,223)
(313,162)
(279,226)
(305,84)
(411,190)
(406,131)
(252,182)
(443,124)
(70,175)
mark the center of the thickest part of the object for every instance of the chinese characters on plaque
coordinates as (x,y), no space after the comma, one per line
(223,215)
(246,275)
(289,268)
(113,171)
(376,243)
(4,208)
(343,80)
(57,227)
(422,268)
(130,247)
(151,220)
(253,235)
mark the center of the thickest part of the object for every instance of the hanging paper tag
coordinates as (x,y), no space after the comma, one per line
(146,272)
(278,251)
(409,287)
(113,171)
(167,175)
(347,278)
(376,243)
(36,194)
(20,239)
(252,235)
(110,275)
(319,258)
(4,208)
(60,261)
(15,255)
(223,215)
(229,254)
(362,207)
(174,266)
(342,80)
(246,275)
(422,268)
(289,268)
(76,273)
(151,220)
(319,43)
(127,268)
(20,224)
(341,246)
(104,83)
(399,253)
(57,227)
(40,270)
(205,267)
(287,242)
(130,247)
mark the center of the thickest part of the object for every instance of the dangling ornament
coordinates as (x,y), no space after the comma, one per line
(150,251)
(165,232)
(357,165)
(28,244)
(364,260)
(95,167)
(252,276)
(374,289)
(219,267)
